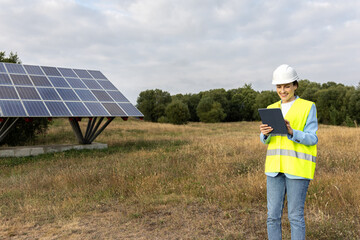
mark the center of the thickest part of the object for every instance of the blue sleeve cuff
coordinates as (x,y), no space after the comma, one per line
(265,139)
(298,136)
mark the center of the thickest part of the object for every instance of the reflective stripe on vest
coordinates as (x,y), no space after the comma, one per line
(284,155)
(291,153)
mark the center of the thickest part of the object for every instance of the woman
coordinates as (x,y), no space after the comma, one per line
(290,159)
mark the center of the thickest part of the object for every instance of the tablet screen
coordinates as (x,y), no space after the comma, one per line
(274,118)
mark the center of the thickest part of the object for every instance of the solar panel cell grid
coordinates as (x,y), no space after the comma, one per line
(40,81)
(97,74)
(57,109)
(76,83)
(107,85)
(130,109)
(67,72)
(2,68)
(11,109)
(39,91)
(91,84)
(68,94)
(36,108)
(78,109)
(33,70)
(27,93)
(82,73)
(85,95)
(48,94)
(59,82)
(5,79)
(102,96)
(15,68)
(114,109)
(117,96)
(21,80)
(96,109)
(51,71)
(7,92)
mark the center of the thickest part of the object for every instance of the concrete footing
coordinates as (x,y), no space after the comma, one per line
(36,150)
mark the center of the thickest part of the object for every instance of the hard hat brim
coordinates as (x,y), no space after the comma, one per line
(285,81)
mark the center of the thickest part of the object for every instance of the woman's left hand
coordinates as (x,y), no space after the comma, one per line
(290,130)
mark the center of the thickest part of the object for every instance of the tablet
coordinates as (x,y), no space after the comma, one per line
(274,118)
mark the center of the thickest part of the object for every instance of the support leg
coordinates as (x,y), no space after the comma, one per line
(93,129)
(77,130)
(6,126)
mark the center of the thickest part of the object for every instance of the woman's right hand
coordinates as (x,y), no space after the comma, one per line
(265,129)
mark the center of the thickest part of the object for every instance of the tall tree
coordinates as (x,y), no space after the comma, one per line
(152,103)
(220,96)
(332,102)
(210,111)
(264,99)
(12,58)
(307,90)
(177,112)
(242,104)
(192,101)
(354,106)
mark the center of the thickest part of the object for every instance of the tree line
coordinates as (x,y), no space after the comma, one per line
(336,104)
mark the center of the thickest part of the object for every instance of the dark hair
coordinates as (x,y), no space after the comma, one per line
(296,83)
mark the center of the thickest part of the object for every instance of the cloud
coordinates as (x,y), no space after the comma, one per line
(187,46)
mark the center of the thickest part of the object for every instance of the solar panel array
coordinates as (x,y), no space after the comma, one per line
(42,91)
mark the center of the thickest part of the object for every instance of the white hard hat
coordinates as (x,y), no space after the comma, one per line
(284,74)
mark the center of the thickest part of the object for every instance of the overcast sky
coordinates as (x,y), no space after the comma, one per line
(187,46)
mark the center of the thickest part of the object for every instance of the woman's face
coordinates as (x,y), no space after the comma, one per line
(286,92)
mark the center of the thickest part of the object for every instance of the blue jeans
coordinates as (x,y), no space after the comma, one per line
(296,190)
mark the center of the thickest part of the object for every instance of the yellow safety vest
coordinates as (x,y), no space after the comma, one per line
(286,156)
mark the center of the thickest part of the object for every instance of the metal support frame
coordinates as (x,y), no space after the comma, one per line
(6,125)
(92,129)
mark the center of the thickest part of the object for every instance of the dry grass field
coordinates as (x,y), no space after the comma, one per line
(160,181)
